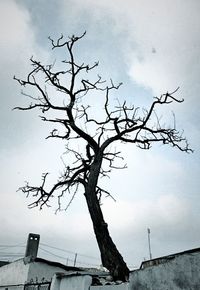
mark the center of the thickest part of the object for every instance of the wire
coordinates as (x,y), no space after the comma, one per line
(61,257)
(22,245)
(11,255)
(4,247)
(70,252)
(52,247)
(67,259)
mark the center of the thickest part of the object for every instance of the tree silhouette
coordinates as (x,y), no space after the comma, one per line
(63,92)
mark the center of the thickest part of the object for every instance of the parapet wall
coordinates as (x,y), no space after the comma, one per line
(178,272)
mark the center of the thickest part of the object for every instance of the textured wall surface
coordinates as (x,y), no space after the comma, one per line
(180,272)
(14,273)
(175,272)
(39,271)
(81,282)
(124,286)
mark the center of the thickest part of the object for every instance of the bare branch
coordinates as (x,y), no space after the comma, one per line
(62,100)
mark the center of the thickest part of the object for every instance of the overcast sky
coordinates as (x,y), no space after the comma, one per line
(152,47)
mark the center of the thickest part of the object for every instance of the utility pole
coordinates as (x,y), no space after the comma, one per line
(149,243)
(75,259)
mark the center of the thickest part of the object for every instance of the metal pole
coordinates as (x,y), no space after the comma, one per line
(75,259)
(149,243)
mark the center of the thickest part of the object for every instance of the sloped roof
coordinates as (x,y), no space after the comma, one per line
(2,263)
(57,264)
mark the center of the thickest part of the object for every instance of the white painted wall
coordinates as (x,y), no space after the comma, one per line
(14,273)
(81,282)
(67,282)
(18,272)
(39,271)
(124,286)
(180,273)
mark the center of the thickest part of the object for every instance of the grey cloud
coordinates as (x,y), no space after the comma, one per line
(161,181)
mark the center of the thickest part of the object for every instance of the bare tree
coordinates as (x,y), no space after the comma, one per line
(120,123)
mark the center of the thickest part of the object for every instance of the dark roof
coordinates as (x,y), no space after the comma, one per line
(2,263)
(164,259)
(57,264)
(84,273)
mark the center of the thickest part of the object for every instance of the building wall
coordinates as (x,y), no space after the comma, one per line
(18,273)
(181,272)
(42,272)
(14,273)
(124,286)
(80,282)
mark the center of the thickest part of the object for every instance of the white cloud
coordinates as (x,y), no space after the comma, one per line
(16,36)
(168,44)
(160,40)
(165,210)
(168,217)
(18,45)
(15,32)
(18,42)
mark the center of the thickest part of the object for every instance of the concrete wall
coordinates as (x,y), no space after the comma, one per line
(42,272)
(14,273)
(62,282)
(81,282)
(18,272)
(180,273)
(124,286)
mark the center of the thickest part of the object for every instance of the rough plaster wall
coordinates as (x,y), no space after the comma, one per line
(124,286)
(55,283)
(180,273)
(76,283)
(39,271)
(13,287)
(14,273)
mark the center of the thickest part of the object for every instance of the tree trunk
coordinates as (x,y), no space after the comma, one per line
(110,256)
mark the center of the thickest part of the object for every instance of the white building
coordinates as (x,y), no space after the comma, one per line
(31,271)
(180,271)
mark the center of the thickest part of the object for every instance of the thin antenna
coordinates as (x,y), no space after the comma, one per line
(149,243)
